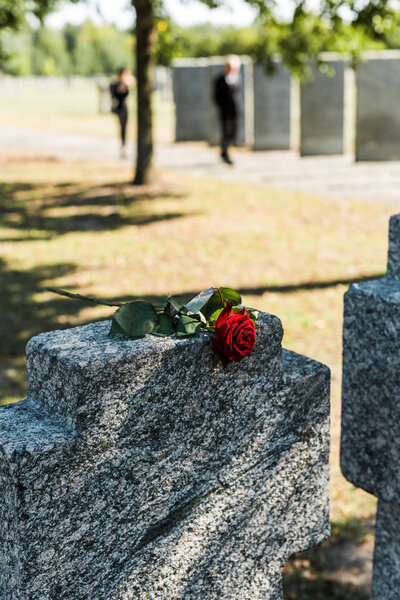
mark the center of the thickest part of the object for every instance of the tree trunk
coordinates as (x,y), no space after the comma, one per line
(144,82)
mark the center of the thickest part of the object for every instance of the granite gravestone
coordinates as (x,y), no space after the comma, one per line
(245,128)
(371,408)
(273,114)
(141,469)
(378,107)
(190,97)
(323,104)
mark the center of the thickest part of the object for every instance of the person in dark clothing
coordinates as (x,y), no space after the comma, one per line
(119,92)
(226,96)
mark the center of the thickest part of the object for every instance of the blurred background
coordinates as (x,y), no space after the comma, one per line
(290,233)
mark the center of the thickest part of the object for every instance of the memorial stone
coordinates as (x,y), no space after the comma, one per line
(378,107)
(245,128)
(190,97)
(141,469)
(371,408)
(273,114)
(322,109)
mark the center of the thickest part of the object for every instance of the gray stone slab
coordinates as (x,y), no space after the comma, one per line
(322,110)
(386,573)
(245,131)
(272,109)
(143,469)
(371,406)
(190,97)
(378,108)
(393,263)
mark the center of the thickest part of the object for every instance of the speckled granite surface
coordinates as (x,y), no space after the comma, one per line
(371,406)
(386,581)
(143,470)
(393,265)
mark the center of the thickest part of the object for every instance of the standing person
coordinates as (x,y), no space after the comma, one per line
(119,92)
(226,96)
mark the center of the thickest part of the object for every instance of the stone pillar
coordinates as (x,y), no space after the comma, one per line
(190,97)
(104,97)
(324,102)
(273,127)
(141,469)
(371,408)
(378,107)
(245,133)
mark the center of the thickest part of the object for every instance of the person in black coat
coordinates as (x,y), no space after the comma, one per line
(226,96)
(119,92)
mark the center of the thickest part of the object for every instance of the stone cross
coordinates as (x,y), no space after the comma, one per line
(141,469)
(370,439)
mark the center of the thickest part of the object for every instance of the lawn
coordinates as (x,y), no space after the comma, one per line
(290,254)
(75,109)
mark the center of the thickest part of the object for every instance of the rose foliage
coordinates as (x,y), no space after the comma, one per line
(217,310)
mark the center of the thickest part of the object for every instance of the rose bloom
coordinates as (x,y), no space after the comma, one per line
(235,335)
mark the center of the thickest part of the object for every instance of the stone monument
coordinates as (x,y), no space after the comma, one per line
(378,107)
(190,97)
(371,408)
(141,469)
(245,132)
(273,108)
(325,101)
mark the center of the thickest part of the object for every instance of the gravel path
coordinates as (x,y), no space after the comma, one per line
(335,176)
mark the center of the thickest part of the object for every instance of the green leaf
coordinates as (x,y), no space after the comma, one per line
(230,295)
(177,302)
(218,300)
(237,309)
(214,316)
(213,304)
(253,314)
(115,328)
(197,303)
(159,306)
(136,318)
(164,326)
(188,326)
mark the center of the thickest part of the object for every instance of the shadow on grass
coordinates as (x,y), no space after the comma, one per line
(307,285)
(44,211)
(23,316)
(259,291)
(340,569)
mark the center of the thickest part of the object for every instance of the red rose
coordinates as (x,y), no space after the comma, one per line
(235,335)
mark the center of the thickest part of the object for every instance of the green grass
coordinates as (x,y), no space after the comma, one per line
(75,110)
(81,227)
